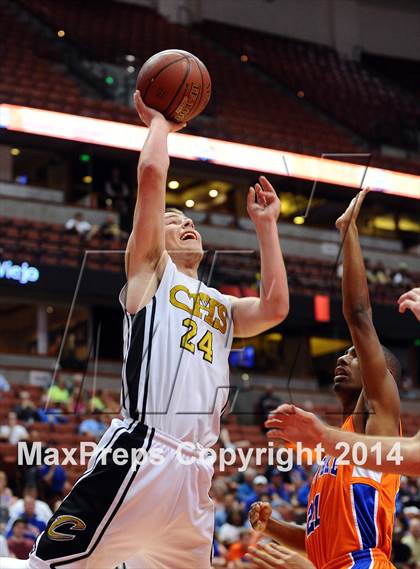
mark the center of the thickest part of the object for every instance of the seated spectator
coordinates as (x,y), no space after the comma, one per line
(412,539)
(382,274)
(4,384)
(96,405)
(267,403)
(116,189)
(246,489)
(370,273)
(6,499)
(19,545)
(111,404)
(109,230)
(237,550)
(12,432)
(230,531)
(93,427)
(58,392)
(34,525)
(42,510)
(401,278)
(4,550)
(277,487)
(25,409)
(53,479)
(260,486)
(78,225)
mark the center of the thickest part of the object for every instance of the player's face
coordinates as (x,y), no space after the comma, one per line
(347,376)
(181,235)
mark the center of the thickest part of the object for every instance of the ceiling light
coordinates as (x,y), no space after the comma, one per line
(14,151)
(173,184)
(213,193)
(61,33)
(299,220)
(87,179)
(190,203)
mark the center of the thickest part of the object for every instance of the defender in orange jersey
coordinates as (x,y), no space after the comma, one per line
(351,509)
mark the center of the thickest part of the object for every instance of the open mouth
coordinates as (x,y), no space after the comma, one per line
(340,374)
(188,235)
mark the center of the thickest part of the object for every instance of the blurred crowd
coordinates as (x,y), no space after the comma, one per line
(28,499)
(288,495)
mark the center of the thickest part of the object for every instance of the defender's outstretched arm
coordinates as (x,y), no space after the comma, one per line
(252,316)
(379,387)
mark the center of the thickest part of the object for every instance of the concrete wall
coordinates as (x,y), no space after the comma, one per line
(9,189)
(48,212)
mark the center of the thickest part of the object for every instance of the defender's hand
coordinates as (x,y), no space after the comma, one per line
(410,301)
(352,211)
(147,115)
(262,202)
(259,514)
(295,425)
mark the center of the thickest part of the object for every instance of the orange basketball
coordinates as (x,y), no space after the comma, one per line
(176,83)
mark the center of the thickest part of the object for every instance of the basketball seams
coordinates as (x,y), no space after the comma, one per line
(152,79)
(198,100)
(181,85)
(176,92)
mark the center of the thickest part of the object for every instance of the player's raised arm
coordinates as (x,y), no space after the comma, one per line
(292,424)
(145,246)
(251,316)
(288,534)
(379,387)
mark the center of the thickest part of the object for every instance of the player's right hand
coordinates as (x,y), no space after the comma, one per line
(410,300)
(147,114)
(259,514)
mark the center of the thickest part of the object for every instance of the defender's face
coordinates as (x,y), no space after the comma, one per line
(181,235)
(347,376)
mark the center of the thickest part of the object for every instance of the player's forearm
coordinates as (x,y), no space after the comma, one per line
(381,451)
(356,302)
(274,290)
(154,158)
(287,534)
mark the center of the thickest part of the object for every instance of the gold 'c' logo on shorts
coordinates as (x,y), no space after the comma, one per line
(72,522)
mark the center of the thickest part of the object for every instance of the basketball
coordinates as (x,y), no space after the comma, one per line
(176,83)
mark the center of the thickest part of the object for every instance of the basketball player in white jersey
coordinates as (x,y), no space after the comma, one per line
(177,338)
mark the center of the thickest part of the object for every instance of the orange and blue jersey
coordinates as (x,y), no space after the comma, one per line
(350,515)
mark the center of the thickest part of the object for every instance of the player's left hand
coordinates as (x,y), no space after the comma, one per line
(272,555)
(352,211)
(293,424)
(263,203)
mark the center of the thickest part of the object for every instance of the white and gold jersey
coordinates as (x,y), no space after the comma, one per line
(175,374)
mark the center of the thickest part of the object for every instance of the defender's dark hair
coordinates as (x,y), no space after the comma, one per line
(393,365)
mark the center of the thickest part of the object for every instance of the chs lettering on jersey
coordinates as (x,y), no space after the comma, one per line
(175,370)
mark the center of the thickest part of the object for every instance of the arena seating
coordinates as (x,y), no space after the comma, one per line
(277,118)
(274,119)
(354,95)
(59,435)
(50,244)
